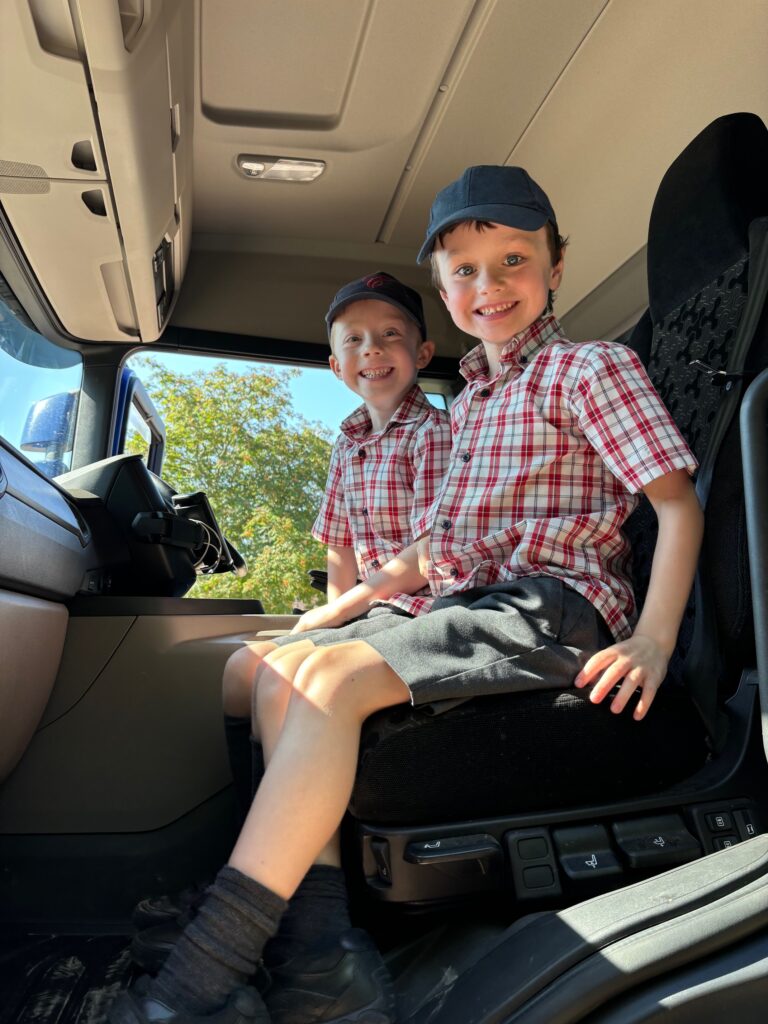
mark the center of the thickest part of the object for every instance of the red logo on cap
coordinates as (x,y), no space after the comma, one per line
(377,281)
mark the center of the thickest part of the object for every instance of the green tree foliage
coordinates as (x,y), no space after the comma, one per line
(263,466)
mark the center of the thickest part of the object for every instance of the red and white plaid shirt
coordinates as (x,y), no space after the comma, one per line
(379,484)
(548,458)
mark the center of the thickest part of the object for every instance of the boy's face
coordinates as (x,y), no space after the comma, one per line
(377,351)
(496,281)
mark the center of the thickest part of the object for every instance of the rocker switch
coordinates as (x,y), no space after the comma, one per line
(380,851)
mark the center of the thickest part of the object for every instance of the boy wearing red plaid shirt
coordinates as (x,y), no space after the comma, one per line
(385,464)
(552,441)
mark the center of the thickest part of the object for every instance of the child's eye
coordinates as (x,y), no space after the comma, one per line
(351,339)
(464,270)
(392,332)
(513,260)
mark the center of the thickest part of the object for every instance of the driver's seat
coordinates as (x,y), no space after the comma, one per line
(504,755)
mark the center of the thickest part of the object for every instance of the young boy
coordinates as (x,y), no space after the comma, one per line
(385,466)
(384,470)
(552,441)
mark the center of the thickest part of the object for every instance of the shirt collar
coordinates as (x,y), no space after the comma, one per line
(357,426)
(520,349)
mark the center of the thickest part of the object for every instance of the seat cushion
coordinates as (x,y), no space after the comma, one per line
(506,754)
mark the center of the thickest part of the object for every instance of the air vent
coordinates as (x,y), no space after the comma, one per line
(94,200)
(82,156)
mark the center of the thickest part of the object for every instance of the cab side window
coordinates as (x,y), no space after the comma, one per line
(39,392)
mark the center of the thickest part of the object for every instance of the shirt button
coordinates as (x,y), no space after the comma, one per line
(485,392)
(446,524)
(466,457)
(364,512)
(375,564)
(454,571)
(361,453)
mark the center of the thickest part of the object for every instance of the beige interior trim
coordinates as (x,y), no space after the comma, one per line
(135,737)
(31,640)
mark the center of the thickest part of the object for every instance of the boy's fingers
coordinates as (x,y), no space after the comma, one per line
(608,680)
(595,665)
(632,681)
(646,699)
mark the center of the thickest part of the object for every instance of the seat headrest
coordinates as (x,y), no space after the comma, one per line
(705,203)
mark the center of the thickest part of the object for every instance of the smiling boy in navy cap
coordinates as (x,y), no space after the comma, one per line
(522,548)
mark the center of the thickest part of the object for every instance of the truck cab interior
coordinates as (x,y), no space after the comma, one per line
(190,177)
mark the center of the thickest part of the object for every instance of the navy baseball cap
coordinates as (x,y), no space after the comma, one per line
(385,288)
(504,195)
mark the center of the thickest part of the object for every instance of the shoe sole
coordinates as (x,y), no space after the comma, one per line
(383,1010)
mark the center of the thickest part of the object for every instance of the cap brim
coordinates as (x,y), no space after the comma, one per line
(367,296)
(522,217)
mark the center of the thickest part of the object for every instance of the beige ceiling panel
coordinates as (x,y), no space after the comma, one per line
(288,64)
(378,121)
(277,67)
(349,201)
(45,107)
(74,249)
(510,59)
(646,81)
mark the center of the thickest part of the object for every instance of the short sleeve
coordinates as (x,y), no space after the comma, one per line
(625,420)
(332,523)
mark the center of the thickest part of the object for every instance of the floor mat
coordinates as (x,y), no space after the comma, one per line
(61,979)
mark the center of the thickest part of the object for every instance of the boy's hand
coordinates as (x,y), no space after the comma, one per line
(640,662)
(323,617)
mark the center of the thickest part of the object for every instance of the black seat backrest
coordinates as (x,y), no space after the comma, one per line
(699,268)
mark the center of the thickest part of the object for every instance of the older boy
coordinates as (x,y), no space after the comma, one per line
(523,545)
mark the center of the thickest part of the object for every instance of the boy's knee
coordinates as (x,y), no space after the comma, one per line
(239,674)
(330,678)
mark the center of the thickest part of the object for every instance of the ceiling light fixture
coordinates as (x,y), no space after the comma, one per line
(276,168)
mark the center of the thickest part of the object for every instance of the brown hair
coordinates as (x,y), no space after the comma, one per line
(555,241)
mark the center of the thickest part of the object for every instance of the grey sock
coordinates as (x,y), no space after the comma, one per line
(317,912)
(219,950)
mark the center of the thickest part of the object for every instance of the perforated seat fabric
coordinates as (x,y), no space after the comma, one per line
(536,751)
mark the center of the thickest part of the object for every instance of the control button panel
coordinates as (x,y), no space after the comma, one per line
(656,842)
(721,825)
(585,852)
(532,859)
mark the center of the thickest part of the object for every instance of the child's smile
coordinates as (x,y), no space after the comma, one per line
(377,352)
(496,281)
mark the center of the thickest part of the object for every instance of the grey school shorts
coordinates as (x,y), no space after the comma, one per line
(380,617)
(531,634)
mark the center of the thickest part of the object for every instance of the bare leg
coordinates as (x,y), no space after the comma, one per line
(239,673)
(309,780)
(271,697)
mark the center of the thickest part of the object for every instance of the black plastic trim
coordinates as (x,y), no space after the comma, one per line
(93,606)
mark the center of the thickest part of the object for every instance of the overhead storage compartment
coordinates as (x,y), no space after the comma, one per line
(98,194)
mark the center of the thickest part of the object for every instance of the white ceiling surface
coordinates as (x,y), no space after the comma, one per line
(594,98)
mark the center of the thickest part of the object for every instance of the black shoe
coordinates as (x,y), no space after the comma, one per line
(347,982)
(136,1006)
(157,910)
